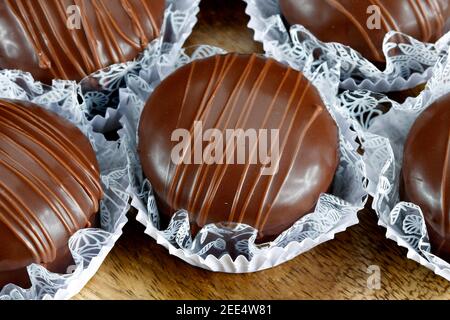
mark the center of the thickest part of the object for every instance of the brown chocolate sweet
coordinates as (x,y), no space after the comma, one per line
(426,172)
(49,189)
(350,21)
(70,39)
(247,96)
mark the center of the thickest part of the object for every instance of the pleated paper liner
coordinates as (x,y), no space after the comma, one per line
(89,247)
(383,134)
(213,248)
(407,67)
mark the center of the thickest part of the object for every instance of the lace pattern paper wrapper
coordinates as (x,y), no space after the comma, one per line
(384,135)
(410,66)
(89,247)
(101,89)
(231,248)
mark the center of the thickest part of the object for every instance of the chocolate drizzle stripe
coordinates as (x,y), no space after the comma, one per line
(60,38)
(113,23)
(319,110)
(439,12)
(387,17)
(77,41)
(445,183)
(6,123)
(254,148)
(250,194)
(232,99)
(90,35)
(115,52)
(186,91)
(187,86)
(17,228)
(421,18)
(59,71)
(48,188)
(211,87)
(22,16)
(37,185)
(356,23)
(56,142)
(41,163)
(171,185)
(426,22)
(47,128)
(211,91)
(40,247)
(76,176)
(134,18)
(383,19)
(42,204)
(43,131)
(234,95)
(219,171)
(155,30)
(297,106)
(68,53)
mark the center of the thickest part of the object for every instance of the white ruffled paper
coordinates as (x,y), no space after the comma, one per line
(232,248)
(100,90)
(408,68)
(89,247)
(384,136)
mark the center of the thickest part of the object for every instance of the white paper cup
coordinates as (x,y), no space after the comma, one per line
(89,247)
(211,247)
(384,136)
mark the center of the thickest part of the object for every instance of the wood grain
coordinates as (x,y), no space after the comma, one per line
(138,268)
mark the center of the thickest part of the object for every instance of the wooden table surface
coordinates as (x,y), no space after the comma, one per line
(138,268)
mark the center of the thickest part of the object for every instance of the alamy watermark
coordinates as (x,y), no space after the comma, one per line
(374,278)
(229,146)
(374,19)
(73,17)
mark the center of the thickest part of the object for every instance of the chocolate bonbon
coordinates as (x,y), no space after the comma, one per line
(70,39)
(363,24)
(426,172)
(248,94)
(49,189)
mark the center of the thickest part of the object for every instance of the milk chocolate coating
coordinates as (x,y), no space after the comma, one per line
(240,92)
(36,36)
(49,189)
(345,21)
(426,172)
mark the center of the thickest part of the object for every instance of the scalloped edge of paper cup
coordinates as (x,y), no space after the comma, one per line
(412,254)
(180,17)
(62,98)
(382,85)
(263,260)
(284,45)
(383,136)
(332,214)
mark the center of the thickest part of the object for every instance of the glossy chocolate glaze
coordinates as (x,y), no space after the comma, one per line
(35,36)
(426,172)
(49,189)
(345,21)
(240,92)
